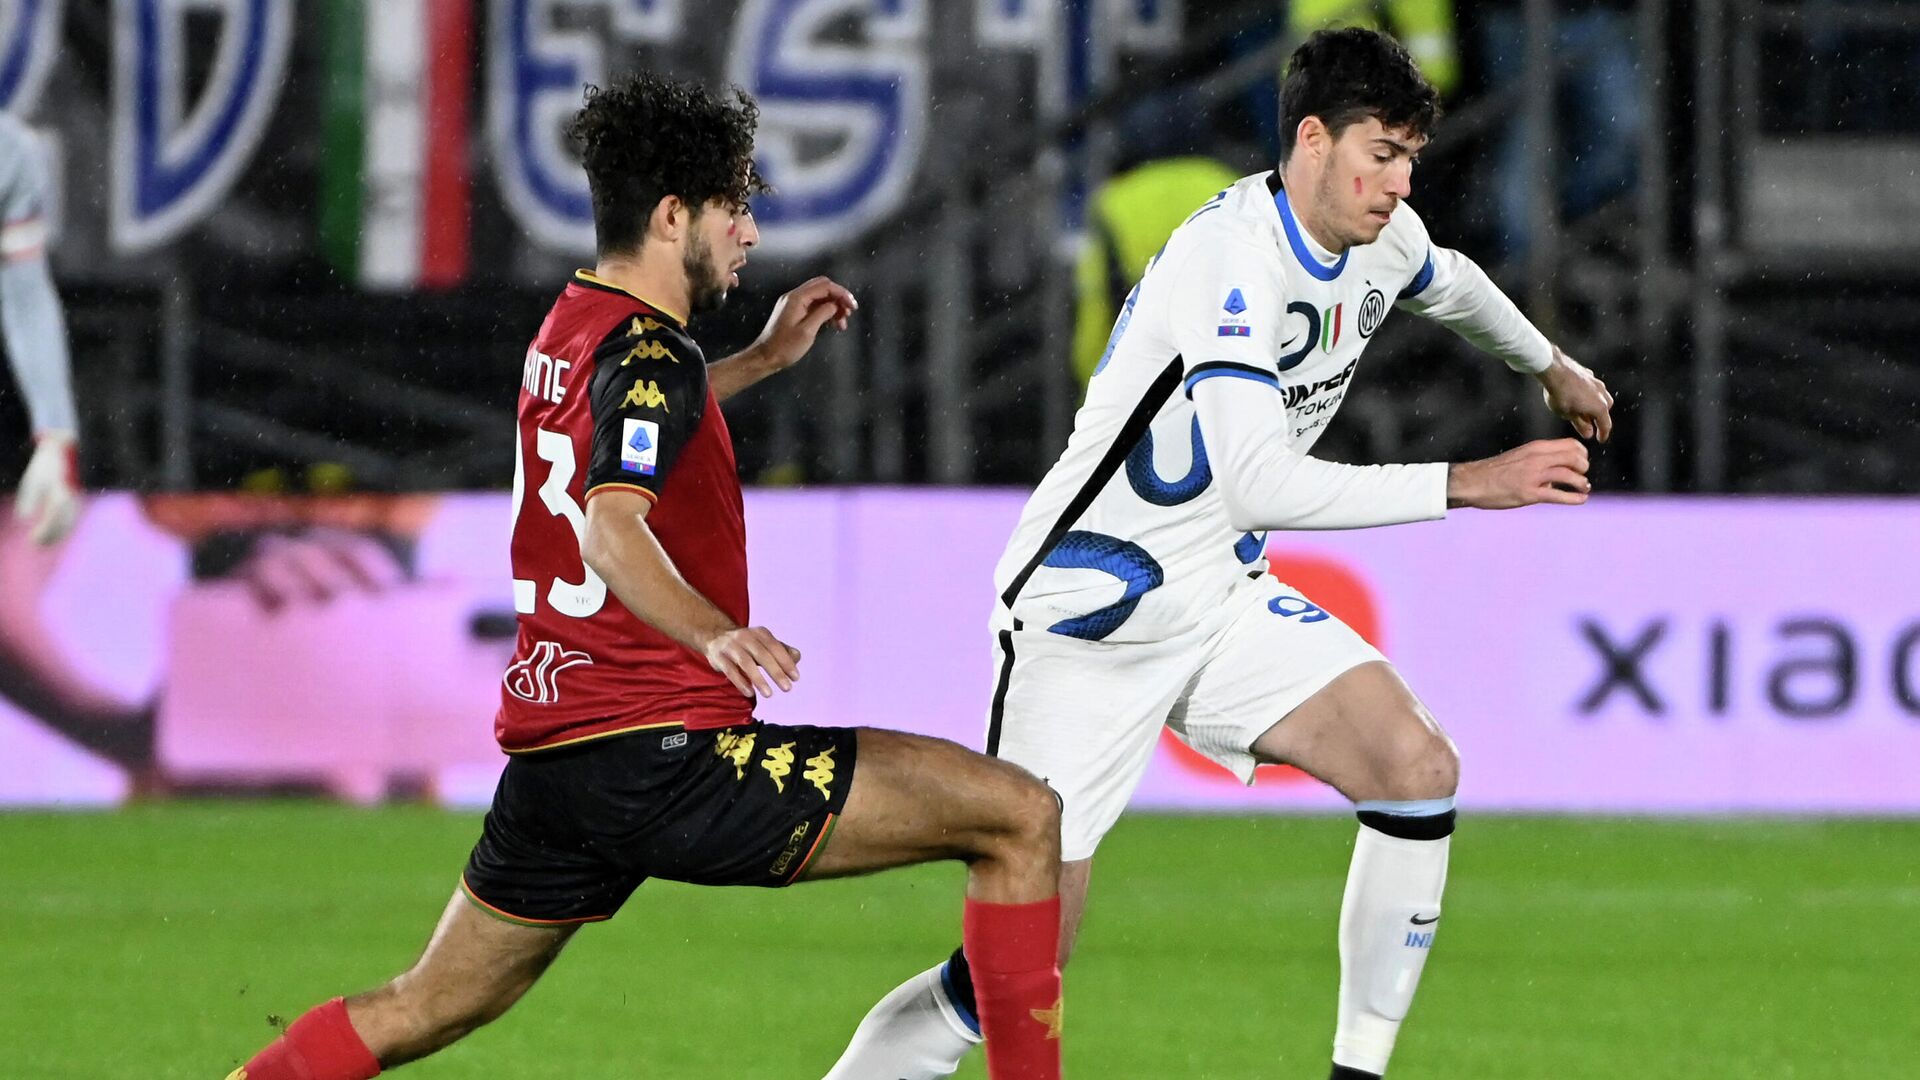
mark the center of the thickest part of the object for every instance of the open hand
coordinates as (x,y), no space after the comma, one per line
(797,318)
(49,498)
(750,656)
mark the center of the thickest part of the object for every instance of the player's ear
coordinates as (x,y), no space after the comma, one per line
(1312,135)
(669,217)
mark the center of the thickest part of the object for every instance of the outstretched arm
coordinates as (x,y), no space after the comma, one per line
(1264,481)
(790,331)
(1451,289)
(1266,484)
(36,339)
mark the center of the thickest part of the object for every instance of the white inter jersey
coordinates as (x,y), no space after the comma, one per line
(1128,538)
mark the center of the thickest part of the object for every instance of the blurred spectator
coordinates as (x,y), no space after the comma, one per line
(1158,182)
(36,338)
(1598,104)
(1425,27)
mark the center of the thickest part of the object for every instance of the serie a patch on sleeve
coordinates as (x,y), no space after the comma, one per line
(1234,324)
(639,446)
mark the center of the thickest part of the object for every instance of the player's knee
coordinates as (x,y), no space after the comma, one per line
(1031,819)
(1419,763)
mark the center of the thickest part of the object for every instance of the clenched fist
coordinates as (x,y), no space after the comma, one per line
(1543,471)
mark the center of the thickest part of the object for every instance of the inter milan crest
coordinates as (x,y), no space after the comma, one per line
(1373,311)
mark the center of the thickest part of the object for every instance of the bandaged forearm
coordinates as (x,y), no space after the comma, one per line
(1466,301)
(36,341)
(1266,484)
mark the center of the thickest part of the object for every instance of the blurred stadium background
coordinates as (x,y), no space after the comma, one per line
(302,247)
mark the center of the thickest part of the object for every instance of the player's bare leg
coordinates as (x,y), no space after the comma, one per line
(473,969)
(915,800)
(1369,737)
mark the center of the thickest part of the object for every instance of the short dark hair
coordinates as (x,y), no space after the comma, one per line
(647,137)
(1344,76)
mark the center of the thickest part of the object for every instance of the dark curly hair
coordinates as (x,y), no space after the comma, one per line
(1344,76)
(647,137)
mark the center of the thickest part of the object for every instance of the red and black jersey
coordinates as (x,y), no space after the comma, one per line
(614,395)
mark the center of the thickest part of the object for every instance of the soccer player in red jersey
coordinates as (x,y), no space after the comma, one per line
(628,709)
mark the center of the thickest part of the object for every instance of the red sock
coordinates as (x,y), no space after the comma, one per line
(321,1045)
(1013,951)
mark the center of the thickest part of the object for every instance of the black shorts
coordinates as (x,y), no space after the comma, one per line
(574,830)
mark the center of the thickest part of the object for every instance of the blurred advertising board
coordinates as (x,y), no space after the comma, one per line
(1635,655)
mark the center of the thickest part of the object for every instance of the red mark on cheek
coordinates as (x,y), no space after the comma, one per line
(733,227)
(1356,185)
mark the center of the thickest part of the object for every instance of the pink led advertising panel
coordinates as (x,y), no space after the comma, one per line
(1633,655)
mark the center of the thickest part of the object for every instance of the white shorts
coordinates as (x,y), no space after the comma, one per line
(1085,715)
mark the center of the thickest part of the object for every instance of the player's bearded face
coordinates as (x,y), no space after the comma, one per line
(705,282)
(716,248)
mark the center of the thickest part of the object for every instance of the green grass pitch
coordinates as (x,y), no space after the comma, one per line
(156,942)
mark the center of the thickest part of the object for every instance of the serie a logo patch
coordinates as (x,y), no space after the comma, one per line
(639,446)
(1234,324)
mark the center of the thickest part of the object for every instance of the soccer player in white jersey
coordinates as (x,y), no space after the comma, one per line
(36,338)
(1133,592)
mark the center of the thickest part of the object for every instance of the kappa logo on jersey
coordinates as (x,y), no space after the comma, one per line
(1373,312)
(648,350)
(535,679)
(1233,325)
(646,394)
(640,446)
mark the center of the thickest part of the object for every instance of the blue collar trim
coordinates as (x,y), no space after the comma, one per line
(1299,244)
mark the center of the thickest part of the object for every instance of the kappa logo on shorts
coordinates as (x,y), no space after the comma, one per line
(779,763)
(536,679)
(792,852)
(820,772)
(737,749)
